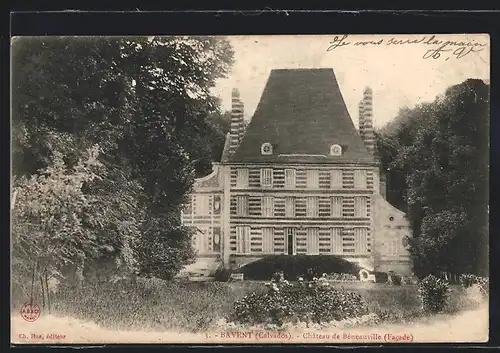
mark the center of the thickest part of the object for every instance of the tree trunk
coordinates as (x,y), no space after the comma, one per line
(13,201)
(33,282)
(47,290)
(43,291)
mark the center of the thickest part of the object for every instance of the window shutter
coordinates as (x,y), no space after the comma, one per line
(312,178)
(337,240)
(266,177)
(267,206)
(360,179)
(312,206)
(336,179)
(268,240)
(242,205)
(242,178)
(360,243)
(246,240)
(203,205)
(336,206)
(360,206)
(313,241)
(290,206)
(243,239)
(290,178)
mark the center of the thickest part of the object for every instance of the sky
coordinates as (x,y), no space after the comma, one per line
(397,72)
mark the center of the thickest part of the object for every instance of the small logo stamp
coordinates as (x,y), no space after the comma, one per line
(30,312)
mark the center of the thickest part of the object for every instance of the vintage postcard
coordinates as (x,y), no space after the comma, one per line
(250,189)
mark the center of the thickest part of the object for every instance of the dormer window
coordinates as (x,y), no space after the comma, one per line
(335,150)
(266,149)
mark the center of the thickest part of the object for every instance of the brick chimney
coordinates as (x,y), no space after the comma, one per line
(237,126)
(368,133)
(361,120)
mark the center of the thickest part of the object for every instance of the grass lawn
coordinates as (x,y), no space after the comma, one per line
(196,306)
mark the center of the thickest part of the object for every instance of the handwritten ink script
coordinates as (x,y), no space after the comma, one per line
(435,47)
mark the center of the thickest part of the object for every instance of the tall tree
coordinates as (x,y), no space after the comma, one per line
(441,149)
(143,101)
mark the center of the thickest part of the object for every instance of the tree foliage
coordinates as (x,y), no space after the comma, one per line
(436,157)
(145,103)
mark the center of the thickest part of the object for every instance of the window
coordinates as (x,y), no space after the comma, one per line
(360,240)
(312,178)
(267,206)
(188,208)
(289,206)
(290,180)
(360,209)
(313,241)
(336,234)
(268,240)
(312,206)
(266,177)
(217,204)
(242,205)
(266,149)
(360,179)
(202,205)
(336,179)
(290,239)
(217,239)
(243,239)
(335,150)
(337,206)
(242,178)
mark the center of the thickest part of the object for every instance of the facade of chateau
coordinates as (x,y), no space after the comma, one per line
(300,179)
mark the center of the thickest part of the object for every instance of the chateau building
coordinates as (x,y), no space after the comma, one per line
(300,179)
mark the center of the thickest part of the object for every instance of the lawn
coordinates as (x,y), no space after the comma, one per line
(196,306)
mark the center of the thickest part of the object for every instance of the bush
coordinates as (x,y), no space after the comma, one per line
(394,279)
(468,280)
(434,293)
(484,285)
(294,266)
(222,274)
(381,277)
(283,303)
(341,277)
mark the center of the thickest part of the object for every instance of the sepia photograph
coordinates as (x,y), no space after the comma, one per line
(250,189)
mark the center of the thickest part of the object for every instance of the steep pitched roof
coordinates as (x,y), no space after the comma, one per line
(301,113)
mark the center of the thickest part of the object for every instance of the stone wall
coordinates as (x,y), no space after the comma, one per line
(391,228)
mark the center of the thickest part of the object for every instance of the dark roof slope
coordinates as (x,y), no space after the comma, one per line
(301,112)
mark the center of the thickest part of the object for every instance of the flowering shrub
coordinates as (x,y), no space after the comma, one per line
(394,279)
(294,266)
(222,274)
(434,293)
(468,280)
(342,277)
(484,285)
(283,303)
(365,320)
